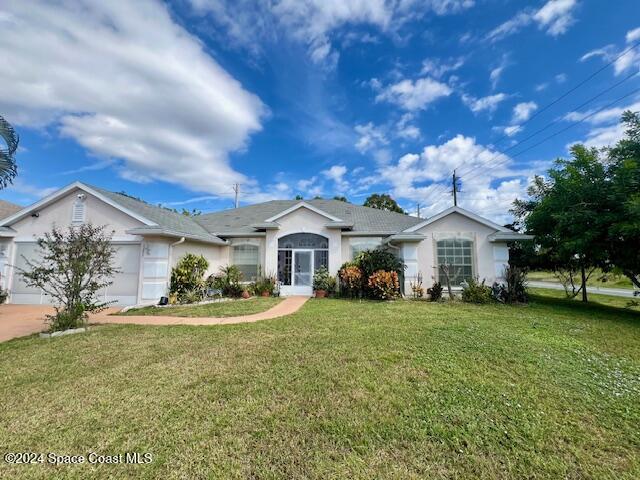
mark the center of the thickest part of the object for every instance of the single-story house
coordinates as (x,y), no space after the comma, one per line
(286,238)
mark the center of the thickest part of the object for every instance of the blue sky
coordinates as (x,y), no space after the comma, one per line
(176,102)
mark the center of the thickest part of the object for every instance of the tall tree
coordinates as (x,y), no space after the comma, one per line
(383,201)
(624,173)
(8,168)
(569,214)
(341,198)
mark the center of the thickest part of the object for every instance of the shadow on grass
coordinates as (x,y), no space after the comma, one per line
(591,307)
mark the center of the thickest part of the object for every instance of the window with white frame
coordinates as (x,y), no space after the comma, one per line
(457,253)
(247,258)
(358,245)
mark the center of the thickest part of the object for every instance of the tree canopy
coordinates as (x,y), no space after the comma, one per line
(383,201)
(8,168)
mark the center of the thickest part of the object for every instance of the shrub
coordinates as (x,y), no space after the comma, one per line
(74,266)
(321,279)
(384,285)
(332,285)
(371,261)
(474,291)
(4,294)
(350,280)
(187,278)
(264,285)
(417,290)
(435,292)
(515,289)
(229,281)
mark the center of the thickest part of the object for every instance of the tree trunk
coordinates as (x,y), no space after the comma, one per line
(584,283)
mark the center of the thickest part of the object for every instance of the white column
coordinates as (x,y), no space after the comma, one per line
(500,260)
(409,255)
(271,252)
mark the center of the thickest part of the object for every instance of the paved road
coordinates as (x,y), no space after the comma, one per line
(616,292)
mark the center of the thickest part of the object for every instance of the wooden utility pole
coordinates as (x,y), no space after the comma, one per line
(418,210)
(455,189)
(236,189)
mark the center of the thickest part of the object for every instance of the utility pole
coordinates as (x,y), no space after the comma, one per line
(418,210)
(236,189)
(455,189)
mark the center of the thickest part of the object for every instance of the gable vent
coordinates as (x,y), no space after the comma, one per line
(79,210)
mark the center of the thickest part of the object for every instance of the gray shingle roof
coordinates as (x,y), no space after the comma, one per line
(169,220)
(7,209)
(364,219)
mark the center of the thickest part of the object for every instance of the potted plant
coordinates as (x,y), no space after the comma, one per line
(321,282)
(245,294)
(264,286)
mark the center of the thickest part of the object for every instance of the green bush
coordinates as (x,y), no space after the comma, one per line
(321,279)
(266,284)
(474,291)
(516,279)
(73,316)
(187,278)
(229,280)
(354,276)
(4,294)
(435,292)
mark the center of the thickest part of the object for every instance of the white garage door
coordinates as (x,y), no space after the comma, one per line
(125,284)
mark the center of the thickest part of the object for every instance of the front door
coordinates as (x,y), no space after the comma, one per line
(302,272)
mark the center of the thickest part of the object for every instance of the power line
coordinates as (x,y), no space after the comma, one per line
(440,188)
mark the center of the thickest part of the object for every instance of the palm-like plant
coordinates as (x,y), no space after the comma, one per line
(8,167)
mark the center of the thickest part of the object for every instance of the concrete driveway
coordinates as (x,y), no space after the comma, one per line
(20,320)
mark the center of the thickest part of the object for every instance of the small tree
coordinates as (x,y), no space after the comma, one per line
(75,265)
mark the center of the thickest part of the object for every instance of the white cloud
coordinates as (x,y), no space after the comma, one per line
(249,24)
(370,137)
(554,17)
(337,174)
(522,111)
(489,190)
(126,82)
(29,191)
(488,103)
(606,128)
(629,57)
(414,95)
(437,68)
(405,129)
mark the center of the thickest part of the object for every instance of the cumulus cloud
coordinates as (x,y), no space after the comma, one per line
(606,128)
(405,129)
(488,103)
(314,23)
(554,17)
(522,111)
(370,137)
(414,95)
(126,82)
(337,174)
(629,57)
(418,177)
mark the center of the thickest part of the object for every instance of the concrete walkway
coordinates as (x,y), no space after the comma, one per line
(20,320)
(286,307)
(616,292)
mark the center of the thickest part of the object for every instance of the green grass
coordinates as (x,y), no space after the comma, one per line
(597,279)
(229,308)
(594,298)
(341,389)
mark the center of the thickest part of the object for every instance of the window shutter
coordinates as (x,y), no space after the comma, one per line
(78,213)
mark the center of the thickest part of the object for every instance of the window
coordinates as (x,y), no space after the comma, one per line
(247,259)
(458,253)
(78,211)
(361,244)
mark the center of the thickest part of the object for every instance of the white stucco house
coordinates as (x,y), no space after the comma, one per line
(287,238)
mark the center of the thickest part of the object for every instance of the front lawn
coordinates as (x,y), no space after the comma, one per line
(597,279)
(341,389)
(230,308)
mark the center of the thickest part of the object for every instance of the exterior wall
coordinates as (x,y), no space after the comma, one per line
(486,266)
(217,255)
(303,220)
(59,213)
